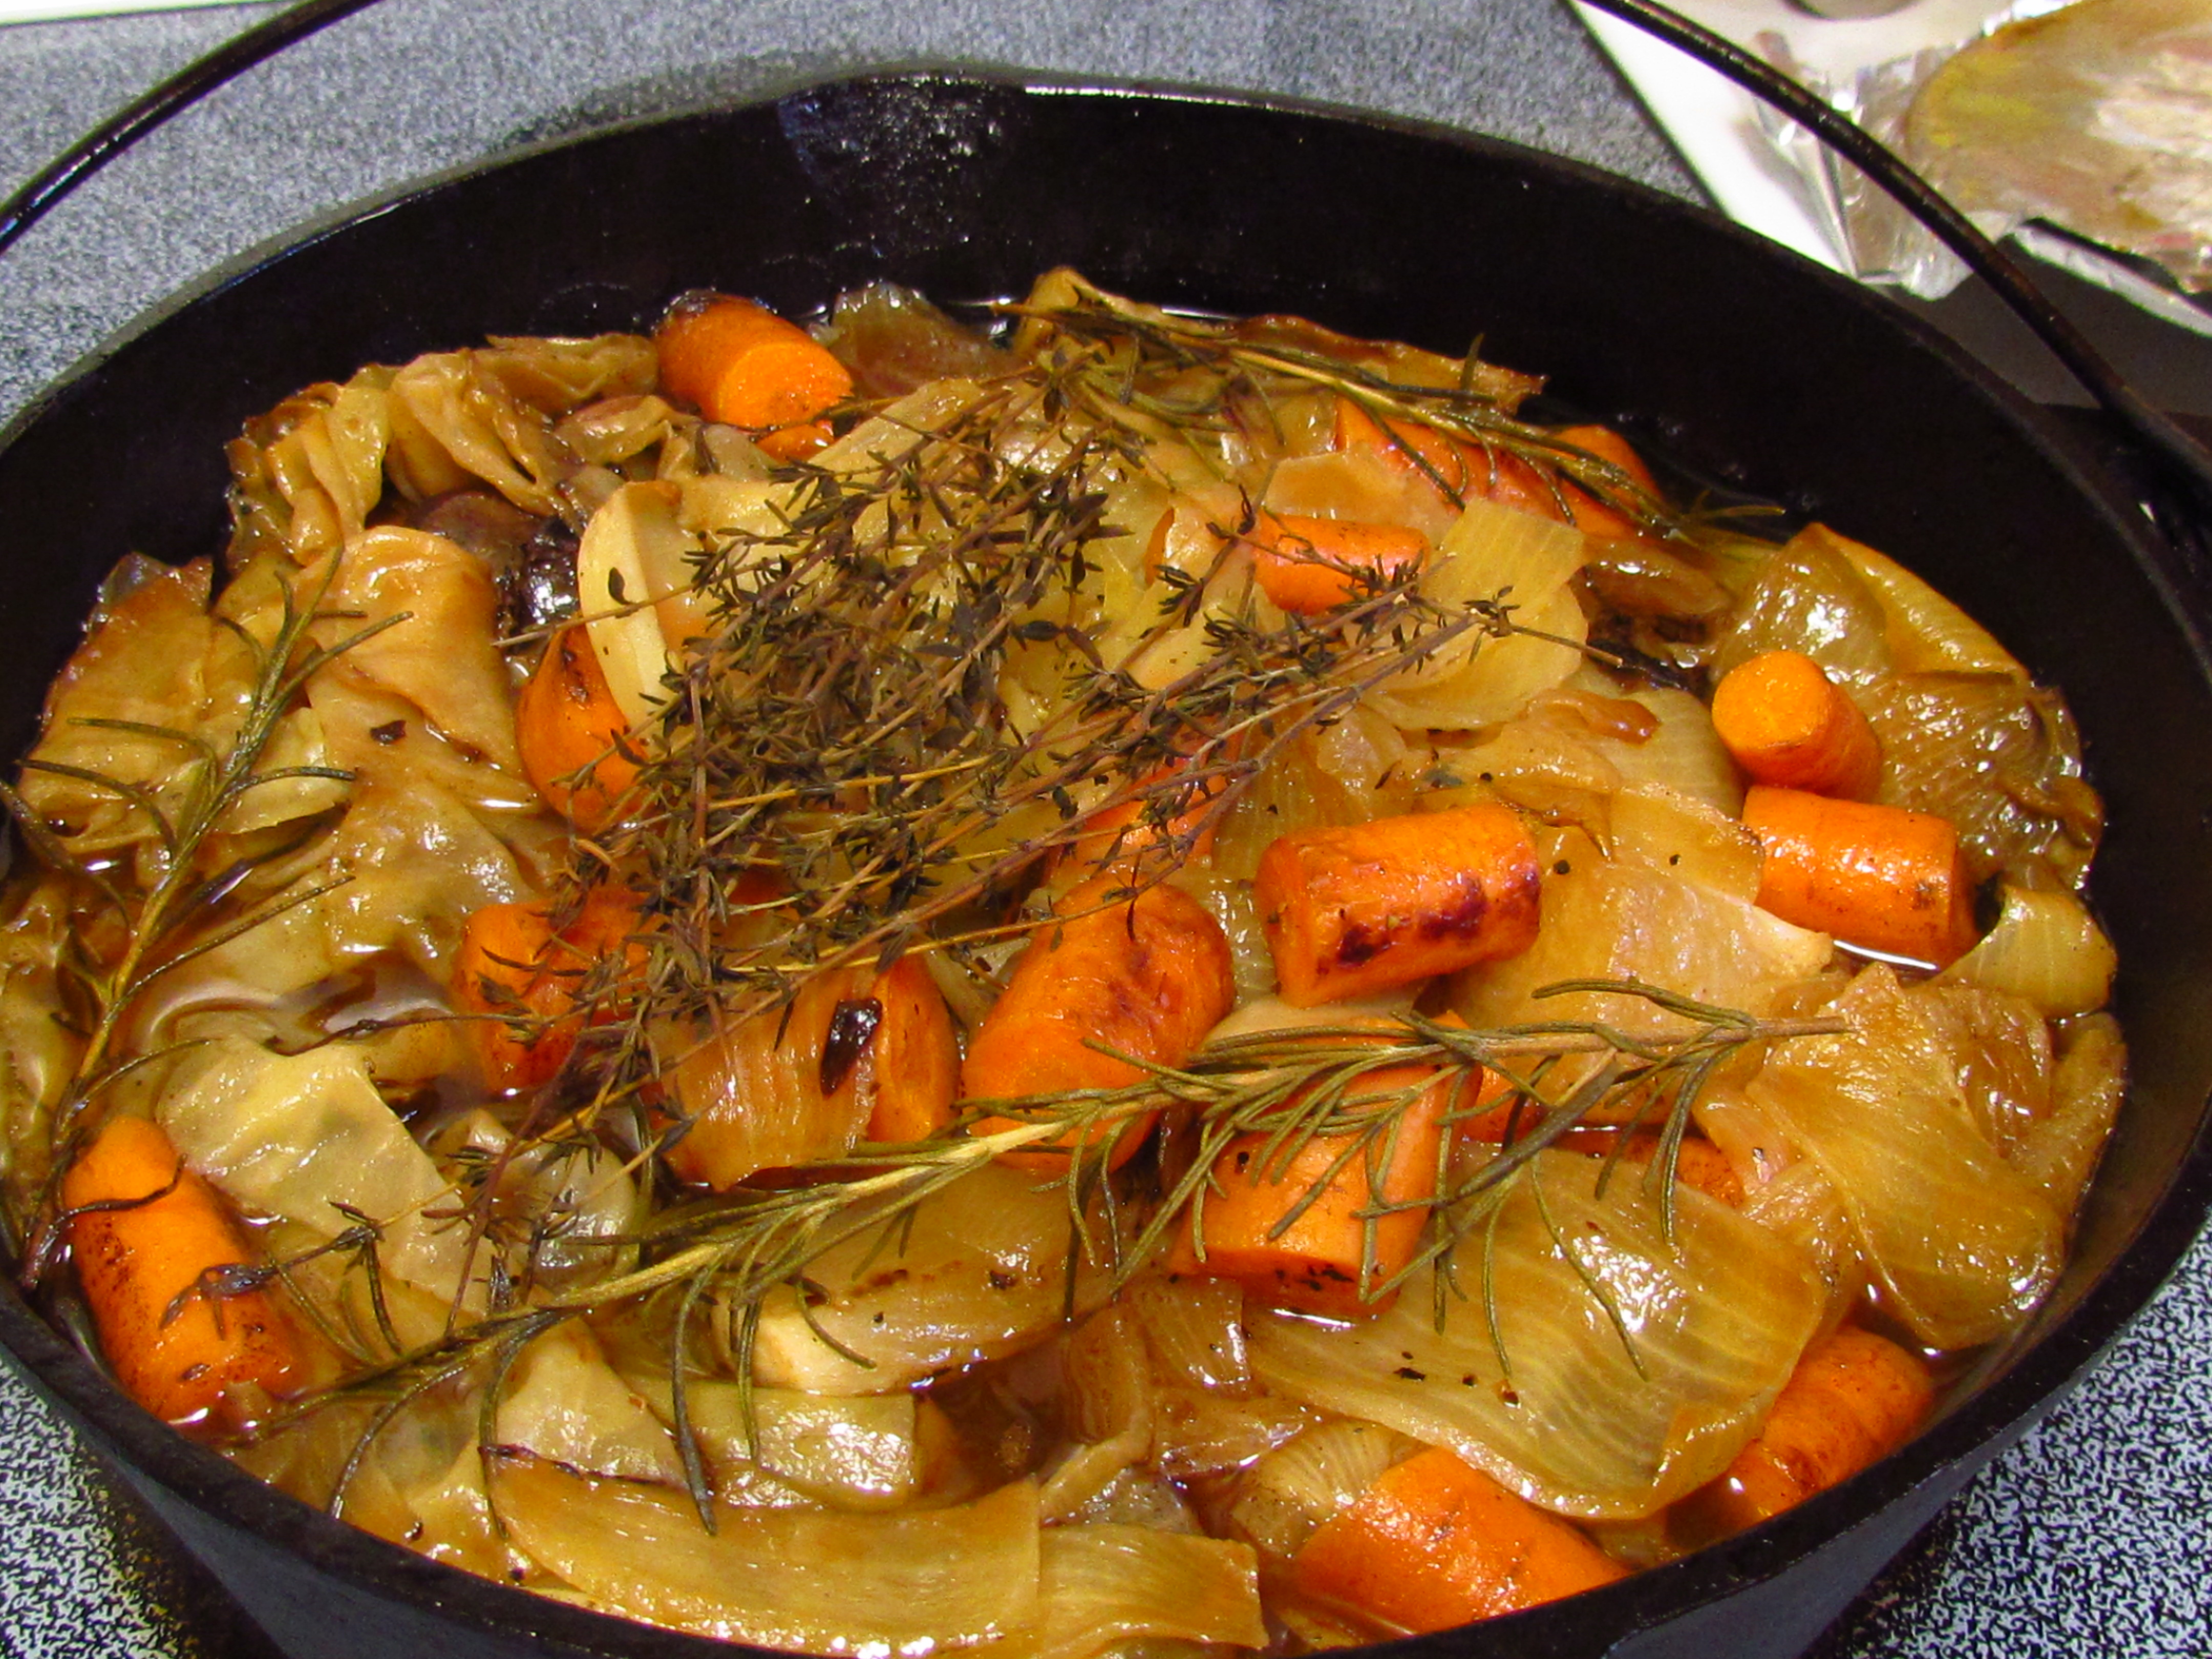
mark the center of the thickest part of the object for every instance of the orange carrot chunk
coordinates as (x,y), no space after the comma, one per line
(1145,978)
(570,730)
(1312,1260)
(856,1055)
(1458,470)
(1878,878)
(1435,1543)
(522,980)
(1789,725)
(1353,911)
(912,1068)
(1697,1161)
(1308,565)
(743,365)
(1589,514)
(198,1361)
(1854,1399)
(498,976)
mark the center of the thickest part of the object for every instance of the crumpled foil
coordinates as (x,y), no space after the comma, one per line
(2095,116)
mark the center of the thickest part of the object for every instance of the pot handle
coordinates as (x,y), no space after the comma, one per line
(2184,460)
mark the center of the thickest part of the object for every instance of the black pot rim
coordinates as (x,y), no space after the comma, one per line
(2052,1352)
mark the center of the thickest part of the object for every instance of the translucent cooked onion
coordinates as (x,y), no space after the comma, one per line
(1996,756)
(807,1581)
(981,1270)
(856,1452)
(1195,1330)
(1196,1432)
(1495,553)
(2059,1153)
(1927,633)
(1106,1585)
(1360,483)
(1963,1244)
(1806,597)
(1107,1399)
(2046,948)
(564,1402)
(1574,1420)
(1660,829)
(1685,754)
(635,553)
(1604,919)
(1302,1483)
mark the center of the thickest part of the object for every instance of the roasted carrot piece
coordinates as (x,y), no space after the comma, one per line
(1879,878)
(1698,1162)
(1116,834)
(523,978)
(1313,1260)
(498,974)
(856,1055)
(1589,514)
(1789,725)
(1435,1543)
(1854,1399)
(1309,565)
(1458,471)
(1145,978)
(743,365)
(1355,910)
(569,731)
(912,1068)
(183,1357)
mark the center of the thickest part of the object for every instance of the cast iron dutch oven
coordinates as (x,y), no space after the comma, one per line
(1745,362)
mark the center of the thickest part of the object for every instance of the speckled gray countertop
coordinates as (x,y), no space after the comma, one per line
(2089,1538)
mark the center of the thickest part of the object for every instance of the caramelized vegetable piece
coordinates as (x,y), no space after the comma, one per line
(498,974)
(1590,515)
(1855,1398)
(743,366)
(911,1070)
(1309,565)
(1095,997)
(1458,470)
(855,1056)
(1301,1231)
(1697,1161)
(525,979)
(1435,1544)
(1879,878)
(1353,911)
(1787,724)
(570,730)
(179,1354)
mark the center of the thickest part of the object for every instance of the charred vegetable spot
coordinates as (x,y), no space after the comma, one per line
(1359,943)
(388,733)
(853,1027)
(1002,1281)
(1410,1374)
(538,588)
(1564,868)
(1463,919)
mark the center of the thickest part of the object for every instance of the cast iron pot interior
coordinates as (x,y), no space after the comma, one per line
(1747,363)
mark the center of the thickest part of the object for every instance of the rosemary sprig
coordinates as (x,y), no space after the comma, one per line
(157,924)
(1285,1088)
